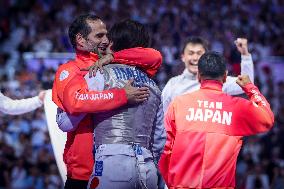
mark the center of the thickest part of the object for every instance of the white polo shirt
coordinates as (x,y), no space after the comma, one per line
(187,82)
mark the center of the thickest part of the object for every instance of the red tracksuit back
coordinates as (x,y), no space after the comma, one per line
(204,135)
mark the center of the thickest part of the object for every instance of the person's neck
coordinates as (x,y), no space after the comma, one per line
(82,52)
(211,80)
(190,74)
(211,84)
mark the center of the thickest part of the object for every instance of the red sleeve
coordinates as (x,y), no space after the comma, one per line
(148,59)
(254,115)
(70,92)
(170,127)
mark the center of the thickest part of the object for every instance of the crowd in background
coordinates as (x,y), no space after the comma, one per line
(26,157)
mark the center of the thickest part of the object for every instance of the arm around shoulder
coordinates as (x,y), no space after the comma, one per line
(71,93)
(148,59)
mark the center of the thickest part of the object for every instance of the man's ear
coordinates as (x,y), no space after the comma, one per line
(225,76)
(182,57)
(80,40)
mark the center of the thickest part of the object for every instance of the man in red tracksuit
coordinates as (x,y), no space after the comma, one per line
(205,129)
(70,91)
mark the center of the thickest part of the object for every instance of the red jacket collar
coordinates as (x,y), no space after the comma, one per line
(211,84)
(84,59)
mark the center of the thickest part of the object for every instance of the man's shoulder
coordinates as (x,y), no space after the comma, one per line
(69,65)
(119,72)
(66,72)
(139,49)
(67,69)
(173,81)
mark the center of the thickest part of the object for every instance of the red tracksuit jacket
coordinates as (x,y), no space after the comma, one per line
(69,86)
(204,135)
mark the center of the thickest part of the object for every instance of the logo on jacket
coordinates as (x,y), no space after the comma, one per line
(99,166)
(209,112)
(63,75)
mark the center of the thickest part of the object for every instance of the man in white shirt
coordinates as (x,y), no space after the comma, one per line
(16,107)
(187,82)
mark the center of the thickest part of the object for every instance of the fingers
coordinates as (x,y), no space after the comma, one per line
(243,77)
(243,80)
(134,94)
(238,81)
(138,98)
(41,95)
(236,42)
(130,82)
(143,89)
(108,50)
(143,96)
(93,70)
(97,65)
(137,95)
(241,42)
(90,72)
(242,45)
(140,92)
(100,67)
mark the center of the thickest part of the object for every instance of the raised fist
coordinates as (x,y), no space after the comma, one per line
(242,46)
(243,80)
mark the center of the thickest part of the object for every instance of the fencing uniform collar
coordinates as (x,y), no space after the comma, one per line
(188,75)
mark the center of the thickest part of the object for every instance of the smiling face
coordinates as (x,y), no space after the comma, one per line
(191,55)
(96,39)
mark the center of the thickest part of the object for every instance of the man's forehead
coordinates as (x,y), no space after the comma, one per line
(96,24)
(194,47)
(96,21)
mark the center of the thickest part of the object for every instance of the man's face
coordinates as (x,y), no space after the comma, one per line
(191,55)
(97,38)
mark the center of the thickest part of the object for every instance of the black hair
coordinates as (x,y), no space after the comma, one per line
(80,25)
(128,34)
(211,65)
(195,40)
